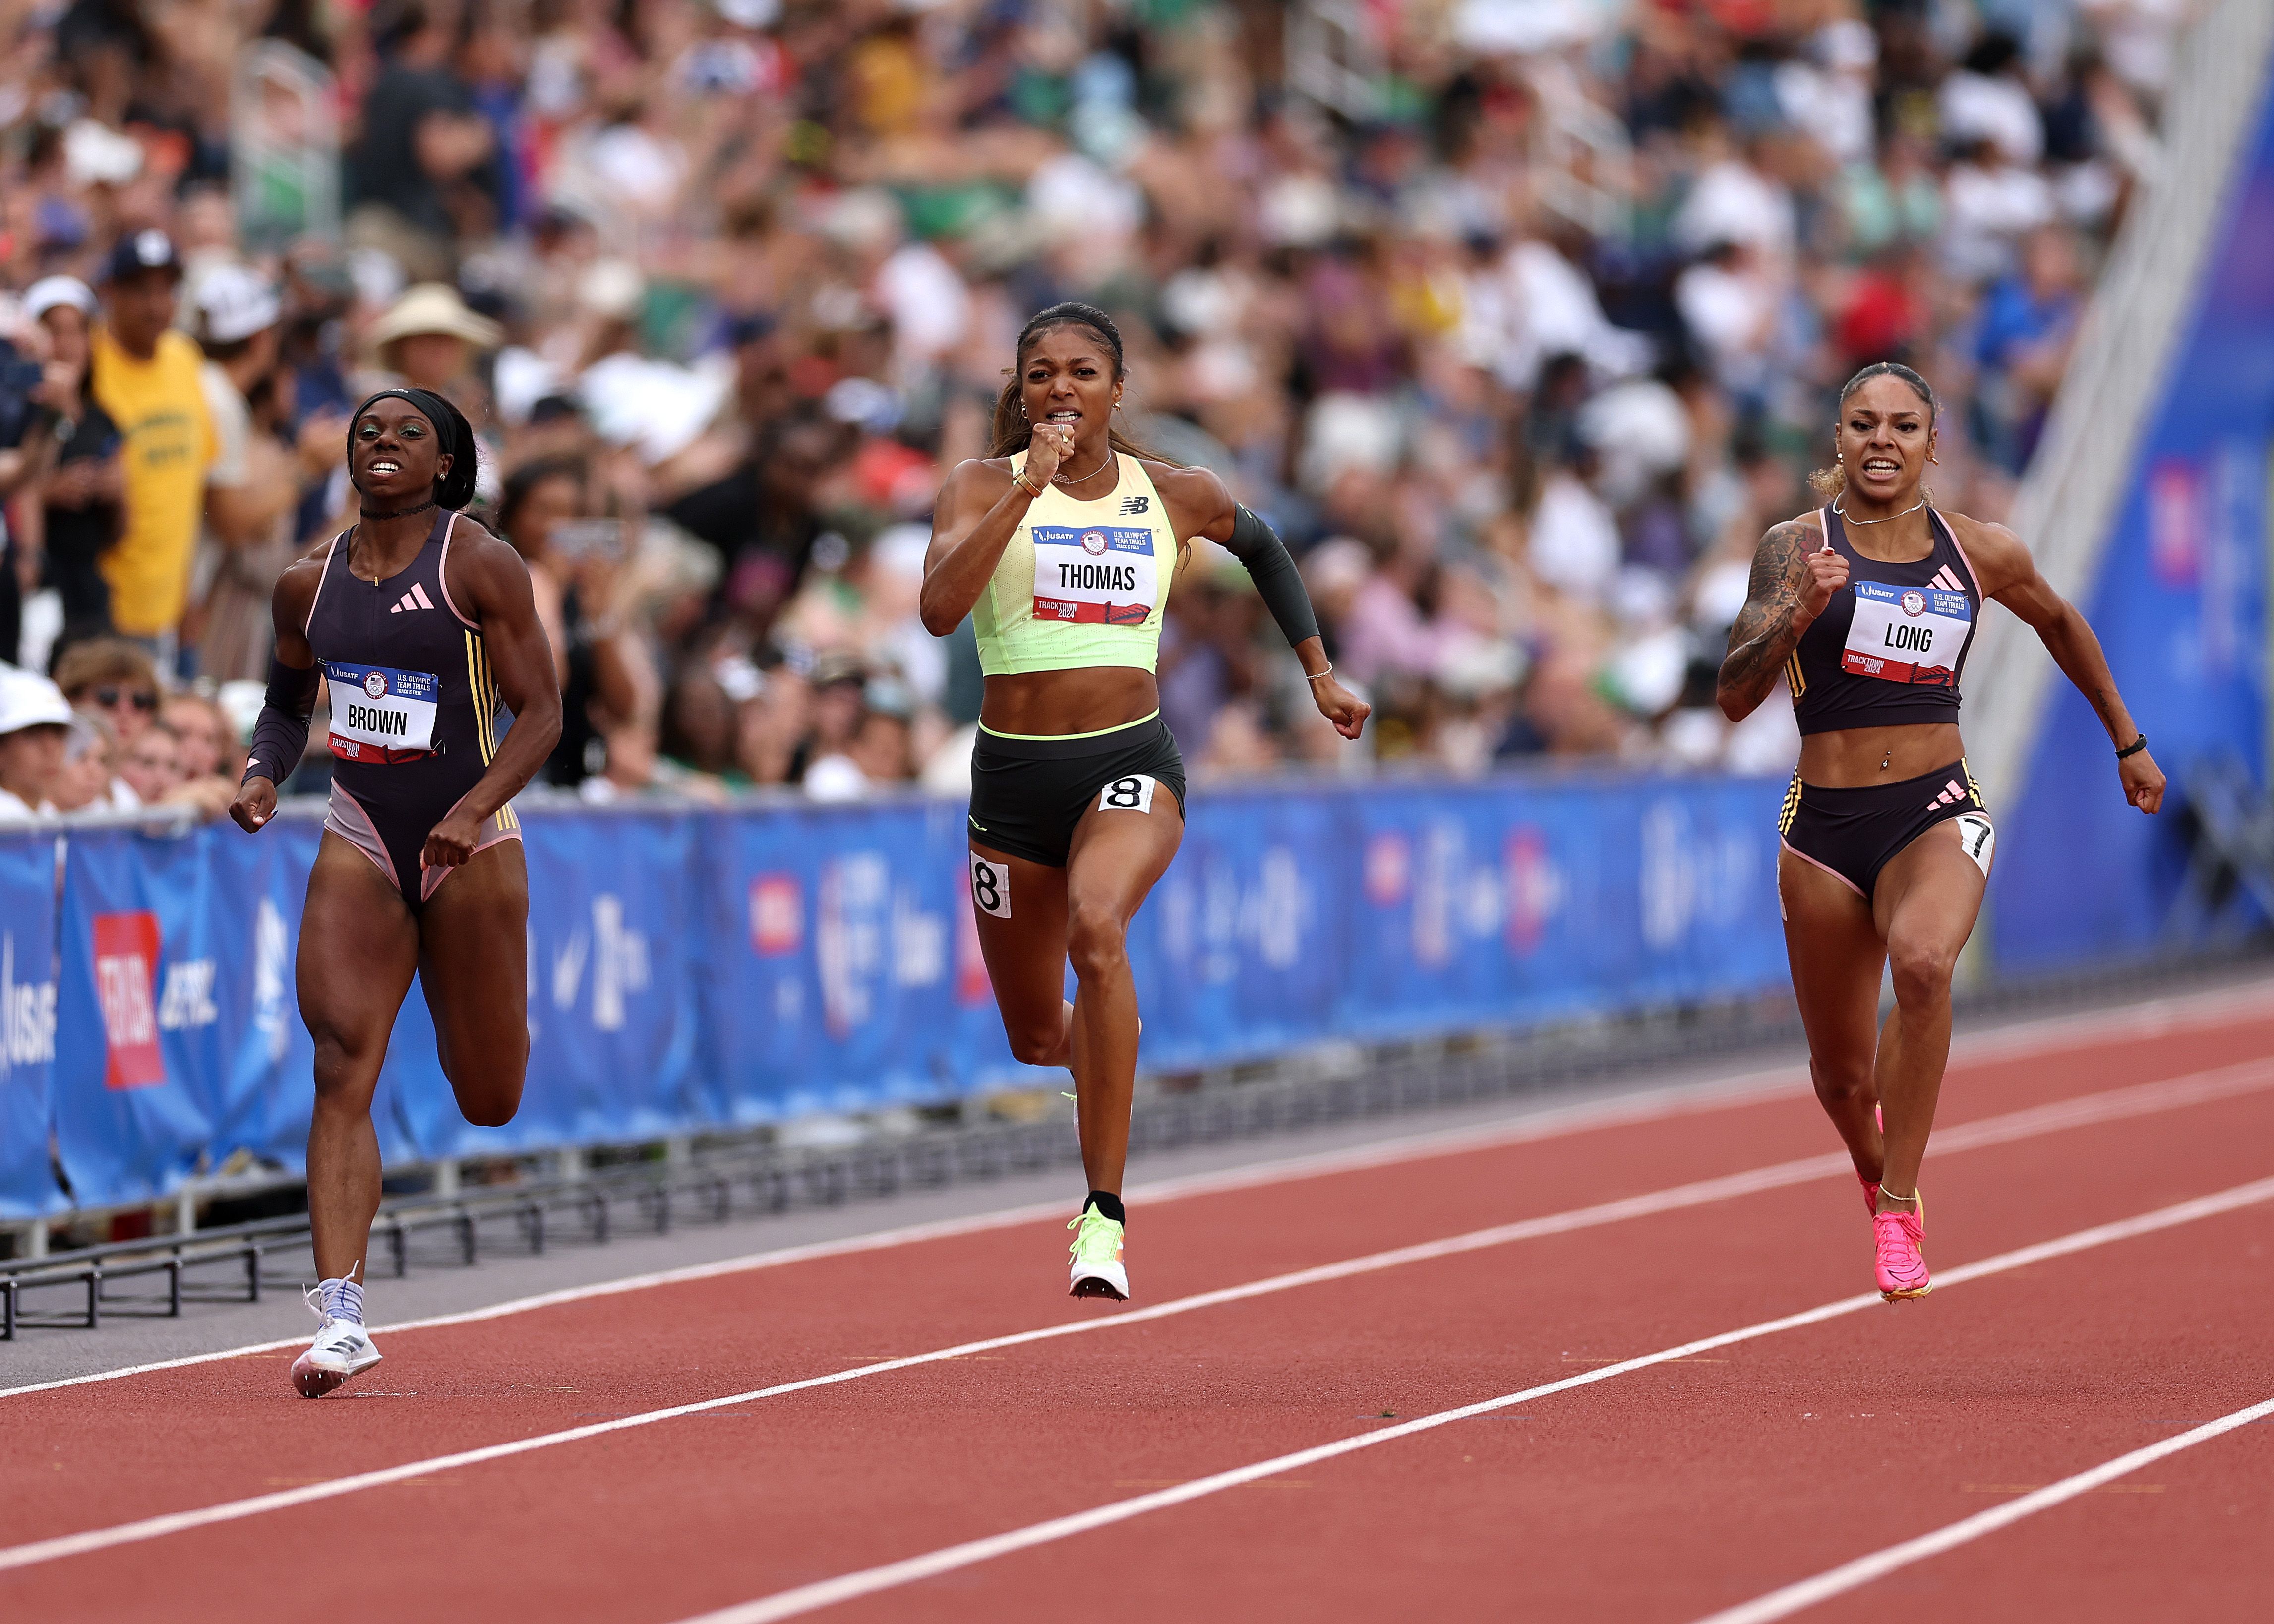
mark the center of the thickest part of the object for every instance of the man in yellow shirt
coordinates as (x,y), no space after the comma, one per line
(146,376)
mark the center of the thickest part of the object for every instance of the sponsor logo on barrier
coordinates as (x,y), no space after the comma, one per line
(618,957)
(27,1015)
(866,929)
(1535,886)
(1388,868)
(272,1001)
(188,999)
(1693,879)
(125,985)
(777,915)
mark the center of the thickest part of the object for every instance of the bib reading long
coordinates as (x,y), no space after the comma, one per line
(1080,583)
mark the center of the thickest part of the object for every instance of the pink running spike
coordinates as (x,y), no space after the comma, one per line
(1870,1195)
(1899,1265)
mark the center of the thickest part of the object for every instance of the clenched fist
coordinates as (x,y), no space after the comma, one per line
(1827,573)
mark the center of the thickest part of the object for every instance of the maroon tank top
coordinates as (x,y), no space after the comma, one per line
(414,706)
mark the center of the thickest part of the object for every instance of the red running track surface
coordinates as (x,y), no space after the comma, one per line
(1662,1493)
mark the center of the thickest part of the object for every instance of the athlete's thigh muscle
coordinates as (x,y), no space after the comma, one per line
(1020,908)
(1928,894)
(473,965)
(358,947)
(1119,853)
(1836,959)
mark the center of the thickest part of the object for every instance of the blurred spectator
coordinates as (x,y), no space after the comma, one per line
(152,766)
(428,339)
(575,561)
(34,717)
(146,378)
(80,508)
(2029,322)
(253,488)
(115,681)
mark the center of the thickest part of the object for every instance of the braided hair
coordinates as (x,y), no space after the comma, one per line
(1011,430)
(1830,482)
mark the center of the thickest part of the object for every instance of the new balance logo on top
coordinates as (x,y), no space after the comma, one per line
(1135,504)
(415,599)
(1944,581)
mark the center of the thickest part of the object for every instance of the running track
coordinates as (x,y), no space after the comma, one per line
(2099,1197)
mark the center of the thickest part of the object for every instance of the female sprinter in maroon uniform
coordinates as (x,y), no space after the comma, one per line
(1062,547)
(1867,608)
(423,624)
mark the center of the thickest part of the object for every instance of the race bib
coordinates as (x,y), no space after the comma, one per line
(1099,575)
(379,714)
(1134,793)
(1977,837)
(990,886)
(1907,633)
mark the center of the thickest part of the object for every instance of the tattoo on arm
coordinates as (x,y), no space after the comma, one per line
(1765,636)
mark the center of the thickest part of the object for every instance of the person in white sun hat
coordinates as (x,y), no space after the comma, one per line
(428,337)
(34,717)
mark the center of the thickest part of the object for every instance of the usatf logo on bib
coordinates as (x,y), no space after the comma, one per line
(1097,576)
(379,714)
(1907,634)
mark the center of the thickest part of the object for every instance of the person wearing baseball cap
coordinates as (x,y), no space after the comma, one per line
(253,486)
(146,376)
(34,717)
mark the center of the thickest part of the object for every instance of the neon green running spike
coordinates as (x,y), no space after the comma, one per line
(1096,1252)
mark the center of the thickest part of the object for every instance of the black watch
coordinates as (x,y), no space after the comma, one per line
(2133,748)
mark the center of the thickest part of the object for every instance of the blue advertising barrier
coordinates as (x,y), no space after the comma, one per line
(28,1026)
(691,969)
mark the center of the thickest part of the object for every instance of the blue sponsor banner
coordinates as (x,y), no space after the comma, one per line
(27,1024)
(691,968)
(138,1061)
(842,971)
(263,1091)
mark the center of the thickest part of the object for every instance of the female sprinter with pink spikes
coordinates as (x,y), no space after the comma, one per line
(1867,608)
(1062,547)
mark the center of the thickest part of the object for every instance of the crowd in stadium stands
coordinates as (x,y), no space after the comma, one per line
(1520,320)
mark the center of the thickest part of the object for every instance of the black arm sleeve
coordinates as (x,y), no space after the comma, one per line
(280,738)
(1255,544)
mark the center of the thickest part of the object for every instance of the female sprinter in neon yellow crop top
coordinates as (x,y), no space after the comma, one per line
(1062,547)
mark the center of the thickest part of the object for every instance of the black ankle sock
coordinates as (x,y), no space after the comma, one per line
(1107,1205)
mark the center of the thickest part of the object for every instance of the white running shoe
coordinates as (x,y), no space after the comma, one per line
(1097,1268)
(342,1348)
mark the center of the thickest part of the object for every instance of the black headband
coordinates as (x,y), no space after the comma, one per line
(452,435)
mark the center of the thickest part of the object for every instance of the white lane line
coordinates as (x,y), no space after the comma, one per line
(2042,1037)
(891,1576)
(2121,1103)
(1865,1569)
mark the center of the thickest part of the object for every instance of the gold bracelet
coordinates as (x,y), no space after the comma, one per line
(1034,491)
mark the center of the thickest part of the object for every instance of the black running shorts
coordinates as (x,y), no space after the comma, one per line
(1853,833)
(1027,794)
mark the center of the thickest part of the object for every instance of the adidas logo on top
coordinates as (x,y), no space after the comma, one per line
(1947,581)
(415,599)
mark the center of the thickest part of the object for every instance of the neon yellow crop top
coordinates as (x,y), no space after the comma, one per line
(1080,583)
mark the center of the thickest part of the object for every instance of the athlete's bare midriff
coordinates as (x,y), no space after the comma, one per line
(1083,700)
(1858,757)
